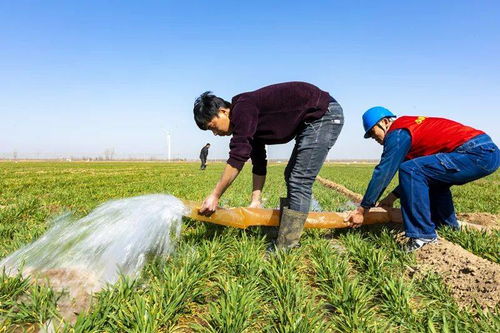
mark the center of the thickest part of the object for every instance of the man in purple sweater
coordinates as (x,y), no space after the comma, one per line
(273,115)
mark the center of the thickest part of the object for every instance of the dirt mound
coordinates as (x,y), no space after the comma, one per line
(469,277)
(77,284)
(485,219)
(356,197)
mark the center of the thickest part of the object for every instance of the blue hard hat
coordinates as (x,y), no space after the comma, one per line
(372,116)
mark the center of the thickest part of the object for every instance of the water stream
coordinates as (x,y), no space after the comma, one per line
(115,238)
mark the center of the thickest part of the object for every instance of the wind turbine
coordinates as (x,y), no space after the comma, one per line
(169,146)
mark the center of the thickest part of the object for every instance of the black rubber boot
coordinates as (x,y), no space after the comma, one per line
(283,204)
(291,227)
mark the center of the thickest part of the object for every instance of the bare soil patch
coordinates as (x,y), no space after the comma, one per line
(484,219)
(470,278)
(78,286)
(341,189)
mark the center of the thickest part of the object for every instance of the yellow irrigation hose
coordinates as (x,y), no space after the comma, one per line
(242,217)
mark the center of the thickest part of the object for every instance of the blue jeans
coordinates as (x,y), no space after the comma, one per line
(425,182)
(312,143)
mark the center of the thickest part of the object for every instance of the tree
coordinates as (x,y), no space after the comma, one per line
(109,153)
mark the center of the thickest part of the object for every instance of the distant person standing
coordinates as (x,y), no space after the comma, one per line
(203,156)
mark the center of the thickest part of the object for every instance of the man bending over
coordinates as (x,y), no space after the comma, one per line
(274,114)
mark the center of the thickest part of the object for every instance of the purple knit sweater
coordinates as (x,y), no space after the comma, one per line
(271,115)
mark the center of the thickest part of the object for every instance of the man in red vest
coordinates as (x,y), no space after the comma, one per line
(431,154)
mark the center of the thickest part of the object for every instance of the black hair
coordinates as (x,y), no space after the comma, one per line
(206,107)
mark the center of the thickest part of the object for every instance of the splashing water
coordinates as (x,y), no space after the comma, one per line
(315,205)
(113,239)
(348,205)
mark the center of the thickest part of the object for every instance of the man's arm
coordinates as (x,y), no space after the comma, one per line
(259,170)
(388,201)
(396,146)
(258,185)
(211,202)
(244,119)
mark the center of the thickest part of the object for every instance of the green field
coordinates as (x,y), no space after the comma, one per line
(219,279)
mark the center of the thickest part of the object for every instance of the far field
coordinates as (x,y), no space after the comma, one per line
(219,279)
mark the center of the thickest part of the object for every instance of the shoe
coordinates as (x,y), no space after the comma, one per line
(271,249)
(414,244)
(291,227)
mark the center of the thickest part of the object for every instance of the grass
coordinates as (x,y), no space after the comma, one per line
(23,303)
(349,301)
(219,279)
(482,243)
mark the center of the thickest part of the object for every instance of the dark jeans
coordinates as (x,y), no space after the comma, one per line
(312,143)
(425,183)
(203,163)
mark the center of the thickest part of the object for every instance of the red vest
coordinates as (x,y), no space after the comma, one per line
(433,135)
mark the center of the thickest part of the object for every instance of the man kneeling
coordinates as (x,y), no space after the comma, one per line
(431,154)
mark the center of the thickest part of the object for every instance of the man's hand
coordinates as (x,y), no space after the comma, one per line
(356,217)
(388,201)
(256,204)
(209,205)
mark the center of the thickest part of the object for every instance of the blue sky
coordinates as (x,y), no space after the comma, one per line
(78,78)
